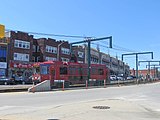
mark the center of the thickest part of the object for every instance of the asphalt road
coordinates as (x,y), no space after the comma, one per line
(140,102)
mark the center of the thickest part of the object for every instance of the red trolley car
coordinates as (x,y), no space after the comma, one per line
(70,73)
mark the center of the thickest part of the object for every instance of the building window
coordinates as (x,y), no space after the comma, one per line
(65,51)
(51,59)
(51,49)
(65,59)
(80,54)
(34,48)
(80,62)
(21,57)
(33,59)
(38,48)
(94,60)
(38,59)
(21,44)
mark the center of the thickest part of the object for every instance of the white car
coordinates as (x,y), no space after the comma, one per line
(113,77)
(120,78)
(129,78)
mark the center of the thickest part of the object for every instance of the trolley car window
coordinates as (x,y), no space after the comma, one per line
(72,70)
(94,71)
(100,72)
(84,71)
(63,70)
(44,70)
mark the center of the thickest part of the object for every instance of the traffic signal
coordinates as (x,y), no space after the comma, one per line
(2,31)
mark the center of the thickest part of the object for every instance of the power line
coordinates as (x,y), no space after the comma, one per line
(56,35)
(118,49)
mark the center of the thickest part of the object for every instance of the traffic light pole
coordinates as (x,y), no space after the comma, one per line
(139,53)
(89,40)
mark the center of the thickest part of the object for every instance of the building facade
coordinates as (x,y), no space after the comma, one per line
(20,54)
(50,49)
(23,50)
(3,57)
(79,52)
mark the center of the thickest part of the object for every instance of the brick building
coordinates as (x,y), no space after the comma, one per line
(50,49)
(79,52)
(20,53)
(143,73)
(105,59)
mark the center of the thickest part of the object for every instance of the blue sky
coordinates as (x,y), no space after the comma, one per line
(134,24)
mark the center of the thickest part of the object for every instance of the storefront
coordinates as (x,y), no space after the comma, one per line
(23,69)
(3,68)
(3,59)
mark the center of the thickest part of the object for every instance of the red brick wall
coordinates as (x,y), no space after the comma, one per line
(20,36)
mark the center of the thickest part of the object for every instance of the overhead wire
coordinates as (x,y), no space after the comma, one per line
(118,48)
(56,35)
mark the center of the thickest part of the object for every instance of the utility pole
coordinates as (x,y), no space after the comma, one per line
(58,50)
(139,53)
(89,40)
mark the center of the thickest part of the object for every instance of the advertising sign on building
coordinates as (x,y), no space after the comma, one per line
(20,65)
(3,65)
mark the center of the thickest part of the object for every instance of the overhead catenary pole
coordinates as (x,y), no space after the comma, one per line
(154,66)
(137,59)
(157,72)
(149,64)
(89,40)
(89,59)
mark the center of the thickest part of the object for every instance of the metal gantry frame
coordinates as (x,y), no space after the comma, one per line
(154,66)
(149,64)
(89,40)
(155,69)
(139,53)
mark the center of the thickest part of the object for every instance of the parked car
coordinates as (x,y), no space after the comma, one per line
(23,80)
(131,77)
(120,78)
(6,80)
(113,77)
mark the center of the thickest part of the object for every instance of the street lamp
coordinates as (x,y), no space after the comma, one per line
(59,50)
